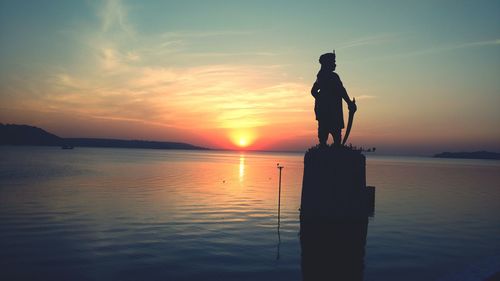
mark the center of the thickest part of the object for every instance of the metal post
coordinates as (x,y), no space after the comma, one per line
(279,193)
(279,207)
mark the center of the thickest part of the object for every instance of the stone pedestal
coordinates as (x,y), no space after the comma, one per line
(333,251)
(334,186)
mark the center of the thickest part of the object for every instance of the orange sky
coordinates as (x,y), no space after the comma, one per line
(237,75)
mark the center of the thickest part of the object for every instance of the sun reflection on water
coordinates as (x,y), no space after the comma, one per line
(242,167)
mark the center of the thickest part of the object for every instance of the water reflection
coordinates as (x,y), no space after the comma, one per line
(242,167)
(126,214)
(333,251)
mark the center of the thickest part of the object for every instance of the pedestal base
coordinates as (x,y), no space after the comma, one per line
(334,186)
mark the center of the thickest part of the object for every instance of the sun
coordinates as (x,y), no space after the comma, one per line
(242,139)
(243,142)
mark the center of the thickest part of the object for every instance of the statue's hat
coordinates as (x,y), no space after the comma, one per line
(327,58)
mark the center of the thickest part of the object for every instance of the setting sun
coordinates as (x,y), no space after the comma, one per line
(242,142)
(242,138)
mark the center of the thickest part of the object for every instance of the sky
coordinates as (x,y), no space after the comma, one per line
(237,74)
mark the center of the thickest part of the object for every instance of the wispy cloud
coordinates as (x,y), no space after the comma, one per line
(365,97)
(449,47)
(231,54)
(223,96)
(479,43)
(113,16)
(369,40)
(201,34)
(124,80)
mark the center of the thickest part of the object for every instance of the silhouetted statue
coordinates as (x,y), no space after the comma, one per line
(335,202)
(328,93)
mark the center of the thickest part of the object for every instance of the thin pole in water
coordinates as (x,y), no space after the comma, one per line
(279,206)
(279,193)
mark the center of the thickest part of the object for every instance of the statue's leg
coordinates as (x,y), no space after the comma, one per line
(323,132)
(337,137)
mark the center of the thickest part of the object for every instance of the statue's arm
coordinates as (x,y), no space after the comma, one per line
(315,90)
(343,91)
(345,96)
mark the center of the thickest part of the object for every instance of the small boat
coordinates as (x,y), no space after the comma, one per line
(67,146)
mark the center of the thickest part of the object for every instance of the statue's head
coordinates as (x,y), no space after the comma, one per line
(328,60)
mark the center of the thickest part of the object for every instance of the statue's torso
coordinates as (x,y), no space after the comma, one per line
(328,106)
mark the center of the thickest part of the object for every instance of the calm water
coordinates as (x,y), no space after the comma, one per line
(131,214)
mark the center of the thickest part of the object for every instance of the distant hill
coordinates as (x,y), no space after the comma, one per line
(469,155)
(88,142)
(11,134)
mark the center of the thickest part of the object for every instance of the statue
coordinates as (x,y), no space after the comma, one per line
(335,203)
(328,93)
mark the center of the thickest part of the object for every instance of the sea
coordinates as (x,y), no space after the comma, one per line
(144,214)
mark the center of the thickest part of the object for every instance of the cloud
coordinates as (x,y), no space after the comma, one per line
(201,34)
(232,54)
(369,40)
(110,58)
(185,44)
(479,44)
(113,16)
(365,97)
(449,47)
(223,96)
(128,77)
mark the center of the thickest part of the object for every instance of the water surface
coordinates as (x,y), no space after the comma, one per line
(130,214)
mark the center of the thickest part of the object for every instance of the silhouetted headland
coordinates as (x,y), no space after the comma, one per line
(11,134)
(469,155)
